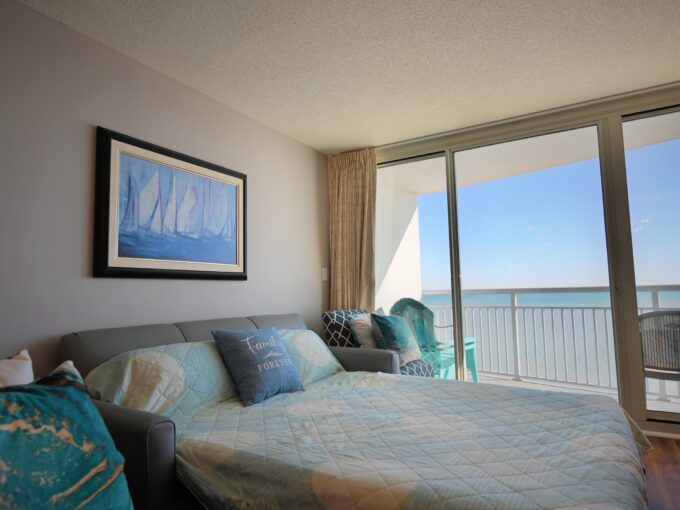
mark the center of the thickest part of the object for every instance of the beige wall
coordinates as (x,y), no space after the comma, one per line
(55,87)
(397,258)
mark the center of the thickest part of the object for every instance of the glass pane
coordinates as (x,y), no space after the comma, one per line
(653,173)
(533,261)
(412,251)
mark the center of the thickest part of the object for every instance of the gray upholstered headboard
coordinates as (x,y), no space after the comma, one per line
(87,349)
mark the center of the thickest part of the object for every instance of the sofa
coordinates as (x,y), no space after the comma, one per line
(147,440)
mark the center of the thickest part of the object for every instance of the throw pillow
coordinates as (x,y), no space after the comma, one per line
(393,332)
(258,362)
(56,449)
(310,354)
(168,379)
(16,370)
(362,329)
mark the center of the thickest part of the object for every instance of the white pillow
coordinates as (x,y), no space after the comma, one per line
(16,370)
(362,329)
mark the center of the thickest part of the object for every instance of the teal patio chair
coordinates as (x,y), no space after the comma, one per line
(441,355)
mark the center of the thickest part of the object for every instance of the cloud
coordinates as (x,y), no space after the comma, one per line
(640,225)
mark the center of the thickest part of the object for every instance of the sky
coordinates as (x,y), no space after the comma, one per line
(546,228)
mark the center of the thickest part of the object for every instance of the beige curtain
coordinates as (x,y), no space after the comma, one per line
(351,183)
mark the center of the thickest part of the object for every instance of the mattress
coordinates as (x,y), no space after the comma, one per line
(380,441)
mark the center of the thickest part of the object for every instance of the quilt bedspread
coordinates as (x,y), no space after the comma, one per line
(380,441)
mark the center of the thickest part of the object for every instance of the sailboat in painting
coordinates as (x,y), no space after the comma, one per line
(169,214)
(217,216)
(170,218)
(130,218)
(188,220)
(229,230)
(149,207)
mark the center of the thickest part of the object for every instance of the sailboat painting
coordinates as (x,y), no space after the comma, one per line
(169,214)
(165,213)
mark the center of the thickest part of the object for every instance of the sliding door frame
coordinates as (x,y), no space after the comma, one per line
(607,115)
(657,420)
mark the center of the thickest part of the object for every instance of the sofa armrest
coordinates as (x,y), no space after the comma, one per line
(355,359)
(147,441)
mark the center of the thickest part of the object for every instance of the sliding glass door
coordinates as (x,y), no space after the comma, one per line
(652,152)
(534,277)
(412,250)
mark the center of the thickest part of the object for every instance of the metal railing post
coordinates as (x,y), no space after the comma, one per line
(515,334)
(663,392)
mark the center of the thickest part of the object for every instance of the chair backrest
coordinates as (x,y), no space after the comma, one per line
(660,332)
(421,320)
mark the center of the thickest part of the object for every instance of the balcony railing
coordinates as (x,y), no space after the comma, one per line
(559,344)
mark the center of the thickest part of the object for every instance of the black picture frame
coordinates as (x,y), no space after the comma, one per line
(114,239)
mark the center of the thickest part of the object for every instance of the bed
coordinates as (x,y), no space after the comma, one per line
(383,441)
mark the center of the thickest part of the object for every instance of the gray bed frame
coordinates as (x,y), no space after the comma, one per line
(147,440)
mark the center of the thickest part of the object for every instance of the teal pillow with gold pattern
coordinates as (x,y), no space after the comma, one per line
(55,450)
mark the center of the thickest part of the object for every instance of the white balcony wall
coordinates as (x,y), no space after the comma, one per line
(397,257)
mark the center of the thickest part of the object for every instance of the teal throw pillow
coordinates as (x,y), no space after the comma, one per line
(258,362)
(310,354)
(56,450)
(394,333)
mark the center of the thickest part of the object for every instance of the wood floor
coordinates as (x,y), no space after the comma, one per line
(663,474)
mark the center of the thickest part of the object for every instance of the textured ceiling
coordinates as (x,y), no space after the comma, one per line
(344,74)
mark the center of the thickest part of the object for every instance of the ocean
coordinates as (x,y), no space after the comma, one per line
(667,299)
(216,250)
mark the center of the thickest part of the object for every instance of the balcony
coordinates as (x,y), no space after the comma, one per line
(530,213)
(560,348)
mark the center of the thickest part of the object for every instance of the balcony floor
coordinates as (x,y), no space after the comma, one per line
(653,404)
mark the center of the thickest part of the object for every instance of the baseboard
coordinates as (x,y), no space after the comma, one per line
(655,433)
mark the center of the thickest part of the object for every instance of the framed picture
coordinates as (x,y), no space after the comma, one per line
(161,214)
